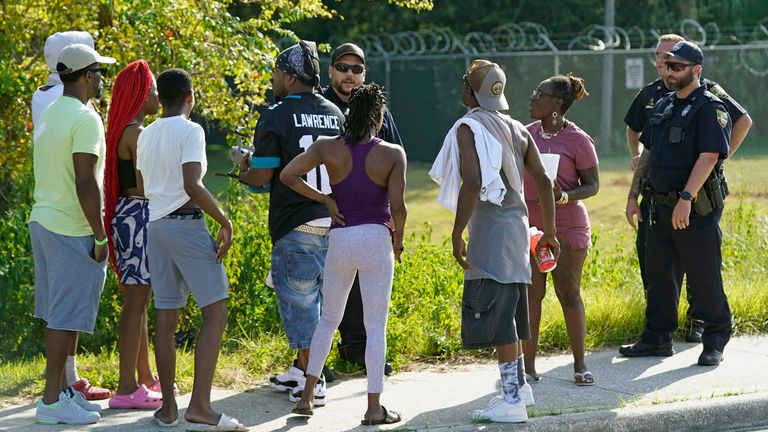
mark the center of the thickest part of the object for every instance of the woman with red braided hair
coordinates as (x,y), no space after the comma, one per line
(134,96)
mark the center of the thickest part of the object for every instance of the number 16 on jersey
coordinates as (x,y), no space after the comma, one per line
(317,178)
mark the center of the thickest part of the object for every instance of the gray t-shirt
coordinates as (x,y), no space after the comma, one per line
(499,244)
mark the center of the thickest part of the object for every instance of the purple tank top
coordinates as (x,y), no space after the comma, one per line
(360,200)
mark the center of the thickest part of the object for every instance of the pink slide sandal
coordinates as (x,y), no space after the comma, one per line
(142,398)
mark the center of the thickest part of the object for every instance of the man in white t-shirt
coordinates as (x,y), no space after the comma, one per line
(182,254)
(53,88)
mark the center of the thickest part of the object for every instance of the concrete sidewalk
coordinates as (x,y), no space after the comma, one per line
(644,394)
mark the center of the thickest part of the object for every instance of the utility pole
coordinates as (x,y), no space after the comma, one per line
(607,94)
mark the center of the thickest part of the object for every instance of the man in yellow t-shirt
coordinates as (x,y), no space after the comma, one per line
(66,228)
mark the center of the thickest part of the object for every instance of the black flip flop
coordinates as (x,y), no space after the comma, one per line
(390,417)
(302,411)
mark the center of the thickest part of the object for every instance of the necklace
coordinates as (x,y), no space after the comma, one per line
(550,135)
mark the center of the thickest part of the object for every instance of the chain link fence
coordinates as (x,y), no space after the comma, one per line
(422,72)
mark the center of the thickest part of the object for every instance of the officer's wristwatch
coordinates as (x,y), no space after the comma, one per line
(686,196)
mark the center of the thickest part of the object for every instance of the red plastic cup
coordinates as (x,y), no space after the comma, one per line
(545,259)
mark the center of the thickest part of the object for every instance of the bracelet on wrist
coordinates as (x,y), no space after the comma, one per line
(563,198)
(101,242)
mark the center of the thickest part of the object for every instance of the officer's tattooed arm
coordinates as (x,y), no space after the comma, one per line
(640,172)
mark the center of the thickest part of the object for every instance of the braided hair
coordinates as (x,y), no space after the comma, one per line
(570,88)
(129,93)
(366,103)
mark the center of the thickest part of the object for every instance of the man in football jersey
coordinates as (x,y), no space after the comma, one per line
(636,118)
(298,226)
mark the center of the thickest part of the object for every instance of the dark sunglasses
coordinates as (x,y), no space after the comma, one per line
(537,94)
(677,67)
(343,68)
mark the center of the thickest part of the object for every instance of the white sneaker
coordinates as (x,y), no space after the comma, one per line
(295,395)
(501,411)
(83,403)
(65,410)
(285,382)
(526,394)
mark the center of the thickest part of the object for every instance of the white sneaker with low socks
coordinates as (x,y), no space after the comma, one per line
(66,410)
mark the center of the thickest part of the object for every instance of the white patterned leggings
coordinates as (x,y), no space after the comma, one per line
(366,249)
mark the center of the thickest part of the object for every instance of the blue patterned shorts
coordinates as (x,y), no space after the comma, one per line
(129,232)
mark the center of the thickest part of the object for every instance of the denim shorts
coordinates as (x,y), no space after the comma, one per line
(298,259)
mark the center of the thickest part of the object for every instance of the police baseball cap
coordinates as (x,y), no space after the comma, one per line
(689,51)
(487,81)
(57,41)
(78,56)
(347,48)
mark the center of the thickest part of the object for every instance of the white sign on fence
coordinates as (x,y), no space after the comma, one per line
(633,73)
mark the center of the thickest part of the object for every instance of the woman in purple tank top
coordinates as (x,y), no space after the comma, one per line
(367,206)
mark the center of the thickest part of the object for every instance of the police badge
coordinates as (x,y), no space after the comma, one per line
(722,118)
(685,110)
(718,91)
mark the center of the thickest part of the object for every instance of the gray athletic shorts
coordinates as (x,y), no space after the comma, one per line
(68,282)
(493,313)
(182,256)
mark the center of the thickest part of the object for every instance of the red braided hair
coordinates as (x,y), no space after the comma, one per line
(128,96)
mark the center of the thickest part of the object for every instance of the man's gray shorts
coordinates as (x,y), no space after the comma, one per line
(182,256)
(493,313)
(68,281)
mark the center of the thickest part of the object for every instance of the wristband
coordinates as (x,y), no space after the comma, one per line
(563,198)
(100,242)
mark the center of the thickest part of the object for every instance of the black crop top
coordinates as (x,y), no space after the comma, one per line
(126,174)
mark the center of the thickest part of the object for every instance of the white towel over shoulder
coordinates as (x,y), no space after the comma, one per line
(447,173)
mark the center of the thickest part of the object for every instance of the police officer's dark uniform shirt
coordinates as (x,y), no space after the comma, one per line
(640,110)
(283,132)
(388,131)
(678,131)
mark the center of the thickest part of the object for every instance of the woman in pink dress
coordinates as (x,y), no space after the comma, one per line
(577,179)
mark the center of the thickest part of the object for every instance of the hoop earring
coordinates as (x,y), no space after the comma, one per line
(554,118)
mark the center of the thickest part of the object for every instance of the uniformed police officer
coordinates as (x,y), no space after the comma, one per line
(685,139)
(636,119)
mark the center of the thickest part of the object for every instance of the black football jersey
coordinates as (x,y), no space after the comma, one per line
(283,132)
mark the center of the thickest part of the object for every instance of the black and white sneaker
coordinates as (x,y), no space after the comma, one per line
(295,395)
(287,381)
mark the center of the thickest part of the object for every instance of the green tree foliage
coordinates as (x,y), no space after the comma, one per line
(229,58)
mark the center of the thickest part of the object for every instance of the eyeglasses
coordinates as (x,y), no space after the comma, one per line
(677,67)
(343,68)
(95,70)
(537,94)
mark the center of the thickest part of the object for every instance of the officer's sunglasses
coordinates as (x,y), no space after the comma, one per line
(343,68)
(677,67)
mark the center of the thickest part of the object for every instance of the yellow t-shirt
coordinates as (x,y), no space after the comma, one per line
(64,128)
